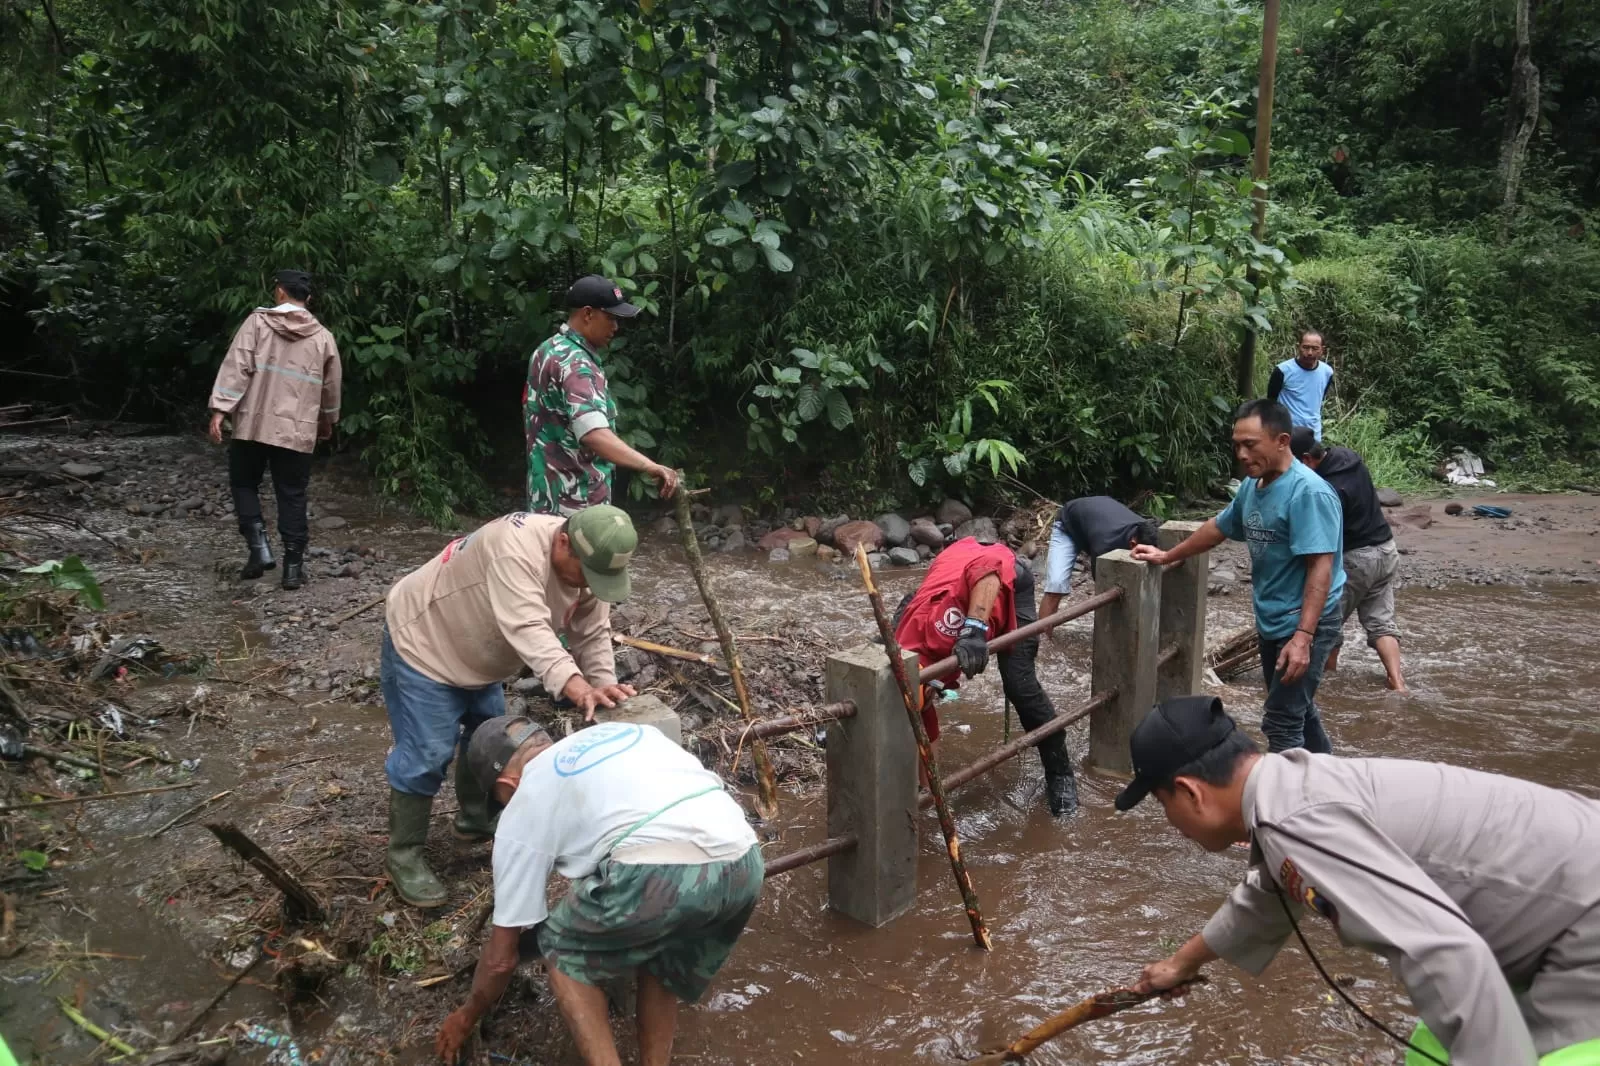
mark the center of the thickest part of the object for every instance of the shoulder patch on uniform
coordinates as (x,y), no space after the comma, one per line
(1294,884)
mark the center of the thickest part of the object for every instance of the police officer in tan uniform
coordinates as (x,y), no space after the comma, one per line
(1481,891)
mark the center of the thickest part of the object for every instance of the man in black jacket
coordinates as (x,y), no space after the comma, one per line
(1371,560)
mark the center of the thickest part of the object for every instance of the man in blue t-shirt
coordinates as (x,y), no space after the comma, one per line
(1301,383)
(1293,523)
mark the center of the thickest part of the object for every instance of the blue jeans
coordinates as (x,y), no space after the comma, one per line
(1058,563)
(1289,717)
(428,720)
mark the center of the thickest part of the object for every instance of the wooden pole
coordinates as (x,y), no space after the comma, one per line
(1246,370)
(767,797)
(1099,1006)
(947,824)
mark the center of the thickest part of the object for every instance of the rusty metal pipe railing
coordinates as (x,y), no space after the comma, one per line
(1018,746)
(945,667)
(815,853)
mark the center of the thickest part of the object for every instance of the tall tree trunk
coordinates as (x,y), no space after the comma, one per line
(711,105)
(983,52)
(1522,114)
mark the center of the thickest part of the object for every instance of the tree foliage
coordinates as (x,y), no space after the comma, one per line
(868,271)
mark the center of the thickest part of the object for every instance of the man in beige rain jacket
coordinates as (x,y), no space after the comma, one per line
(456,628)
(280,382)
(1481,891)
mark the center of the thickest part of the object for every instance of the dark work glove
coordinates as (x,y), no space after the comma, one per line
(972,651)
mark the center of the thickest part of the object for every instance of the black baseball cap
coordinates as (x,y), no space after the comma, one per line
(1174,734)
(294,279)
(1301,441)
(592,290)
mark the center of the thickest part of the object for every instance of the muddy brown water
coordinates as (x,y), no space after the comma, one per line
(1503,680)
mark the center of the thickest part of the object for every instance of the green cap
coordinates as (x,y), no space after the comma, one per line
(603,539)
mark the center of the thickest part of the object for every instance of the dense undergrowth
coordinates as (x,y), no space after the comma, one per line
(873,273)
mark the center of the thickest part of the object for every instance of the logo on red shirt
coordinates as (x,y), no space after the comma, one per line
(949,623)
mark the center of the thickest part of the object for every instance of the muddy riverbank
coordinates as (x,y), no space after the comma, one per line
(292,730)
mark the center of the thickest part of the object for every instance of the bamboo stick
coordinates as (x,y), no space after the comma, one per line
(952,843)
(1098,1006)
(767,798)
(670,652)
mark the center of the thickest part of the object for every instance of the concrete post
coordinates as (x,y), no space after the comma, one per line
(1183,616)
(644,710)
(872,789)
(1126,635)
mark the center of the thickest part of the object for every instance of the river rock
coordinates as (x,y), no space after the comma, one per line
(904,556)
(1390,498)
(780,538)
(351,569)
(982,528)
(924,532)
(802,548)
(924,552)
(1224,575)
(1419,517)
(896,530)
(827,554)
(734,542)
(877,560)
(778,555)
(193,503)
(953,513)
(728,514)
(332,521)
(1029,549)
(528,686)
(666,526)
(827,529)
(811,524)
(83,471)
(847,536)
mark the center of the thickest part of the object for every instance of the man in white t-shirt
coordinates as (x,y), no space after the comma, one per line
(665,873)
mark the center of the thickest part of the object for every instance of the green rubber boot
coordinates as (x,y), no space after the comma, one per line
(406,863)
(473,822)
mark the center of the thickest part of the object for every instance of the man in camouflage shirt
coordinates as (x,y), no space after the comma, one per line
(568,413)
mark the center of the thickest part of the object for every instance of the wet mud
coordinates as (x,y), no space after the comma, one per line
(1503,679)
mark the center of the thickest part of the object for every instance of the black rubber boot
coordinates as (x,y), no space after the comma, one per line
(260,559)
(1061,793)
(294,565)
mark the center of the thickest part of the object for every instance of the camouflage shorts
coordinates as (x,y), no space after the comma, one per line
(677,922)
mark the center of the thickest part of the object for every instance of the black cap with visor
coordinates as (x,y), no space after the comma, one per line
(1174,734)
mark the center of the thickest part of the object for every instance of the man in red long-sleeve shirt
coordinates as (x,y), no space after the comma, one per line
(973,593)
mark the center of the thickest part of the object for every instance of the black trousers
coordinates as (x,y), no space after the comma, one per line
(1020,680)
(248,460)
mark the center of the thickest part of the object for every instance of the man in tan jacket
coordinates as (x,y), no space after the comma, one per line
(461,624)
(280,381)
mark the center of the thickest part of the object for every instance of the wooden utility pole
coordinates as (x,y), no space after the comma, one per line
(1246,371)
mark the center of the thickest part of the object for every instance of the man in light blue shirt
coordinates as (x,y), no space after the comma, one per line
(1301,383)
(1293,523)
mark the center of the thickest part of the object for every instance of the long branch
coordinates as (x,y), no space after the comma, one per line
(767,800)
